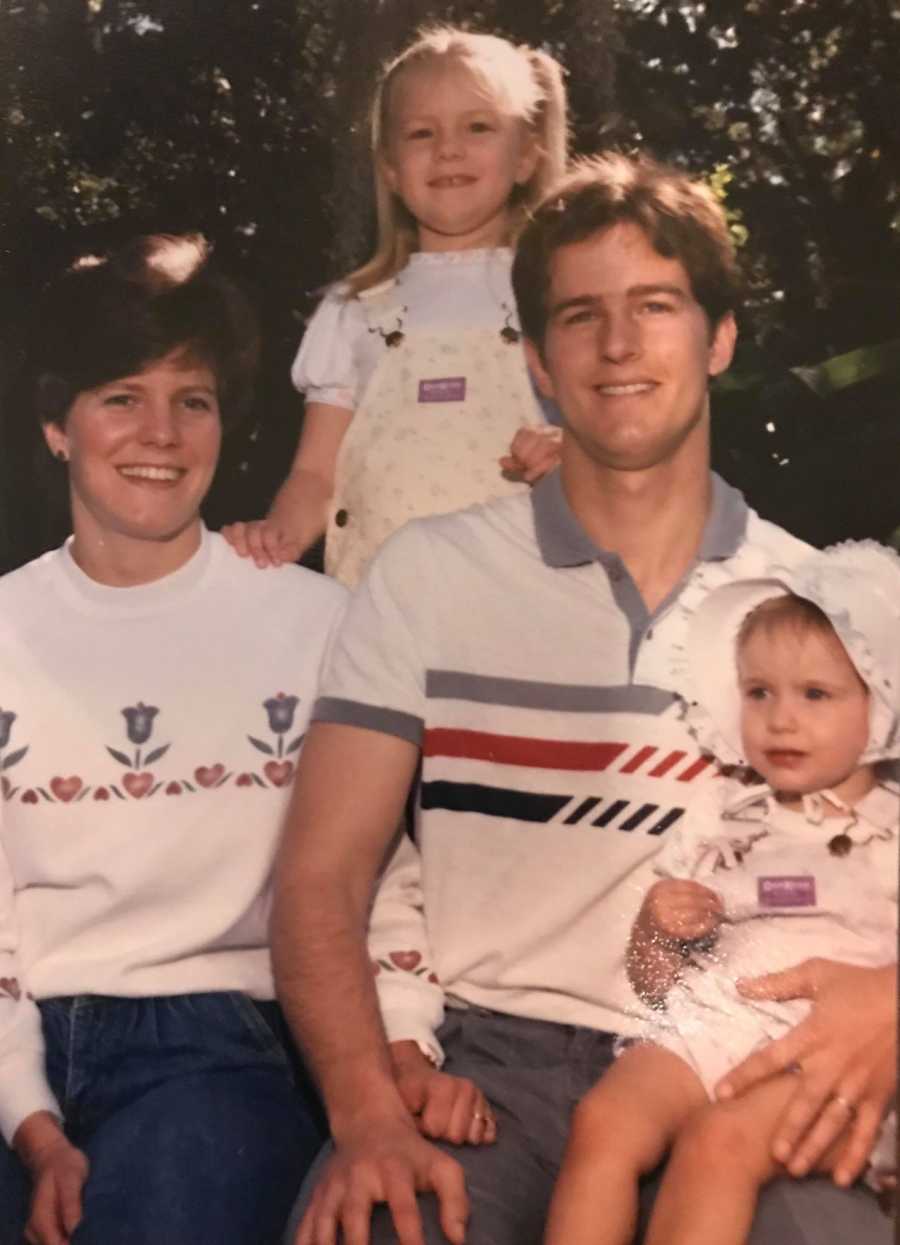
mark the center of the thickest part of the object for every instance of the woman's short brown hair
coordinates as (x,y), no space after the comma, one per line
(110,317)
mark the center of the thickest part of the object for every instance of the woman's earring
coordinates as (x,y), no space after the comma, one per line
(61,455)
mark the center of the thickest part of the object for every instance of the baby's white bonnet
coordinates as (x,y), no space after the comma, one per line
(856,585)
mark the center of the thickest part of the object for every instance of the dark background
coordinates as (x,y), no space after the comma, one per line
(245,119)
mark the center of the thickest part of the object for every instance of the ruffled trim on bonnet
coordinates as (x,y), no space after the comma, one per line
(856,584)
(708,577)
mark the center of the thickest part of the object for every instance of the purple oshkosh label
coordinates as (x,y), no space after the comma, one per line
(443,389)
(796,892)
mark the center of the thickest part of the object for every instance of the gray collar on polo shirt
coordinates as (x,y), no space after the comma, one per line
(563,542)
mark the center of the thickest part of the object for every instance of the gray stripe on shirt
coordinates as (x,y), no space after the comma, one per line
(564,697)
(372,717)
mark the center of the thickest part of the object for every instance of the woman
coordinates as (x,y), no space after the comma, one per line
(154,697)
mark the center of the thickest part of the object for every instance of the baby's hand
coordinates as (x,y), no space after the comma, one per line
(533,452)
(680,911)
(264,540)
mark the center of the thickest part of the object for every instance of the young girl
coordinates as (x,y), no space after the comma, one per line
(801,863)
(413,368)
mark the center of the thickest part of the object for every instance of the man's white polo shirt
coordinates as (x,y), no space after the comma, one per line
(522,661)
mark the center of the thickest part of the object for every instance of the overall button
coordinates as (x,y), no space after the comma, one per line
(341,518)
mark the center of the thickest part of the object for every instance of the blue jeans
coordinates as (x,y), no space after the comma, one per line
(190,1113)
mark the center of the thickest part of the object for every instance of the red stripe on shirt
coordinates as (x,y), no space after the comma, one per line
(516,750)
(642,755)
(693,770)
(666,764)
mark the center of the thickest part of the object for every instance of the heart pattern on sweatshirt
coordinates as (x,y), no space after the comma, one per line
(140,755)
(66,789)
(137,785)
(209,775)
(278,772)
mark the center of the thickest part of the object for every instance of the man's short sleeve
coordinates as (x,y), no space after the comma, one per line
(376,672)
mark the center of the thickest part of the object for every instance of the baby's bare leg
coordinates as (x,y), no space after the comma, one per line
(720,1160)
(620,1130)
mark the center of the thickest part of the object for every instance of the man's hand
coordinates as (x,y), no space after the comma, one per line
(59,1172)
(680,911)
(845,1054)
(446,1108)
(384,1162)
(532,453)
(266,541)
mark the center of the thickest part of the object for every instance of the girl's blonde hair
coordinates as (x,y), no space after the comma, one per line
(521,81)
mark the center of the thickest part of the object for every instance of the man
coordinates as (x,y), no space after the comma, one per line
(527,651)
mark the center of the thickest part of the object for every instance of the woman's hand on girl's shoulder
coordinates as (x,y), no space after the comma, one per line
(266,541)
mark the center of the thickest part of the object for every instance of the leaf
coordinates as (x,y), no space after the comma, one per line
(222,781)
(46,795)
(263,747)
(156,786)
(156,754)
(294,745)
(189,786)
(14,757)
(256,778)
(115,790)
(851,368)
(119,756)
(82,793)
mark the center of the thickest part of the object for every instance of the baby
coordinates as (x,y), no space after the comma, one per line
(802,862)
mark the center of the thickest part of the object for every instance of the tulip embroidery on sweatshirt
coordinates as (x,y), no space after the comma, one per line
(141,776)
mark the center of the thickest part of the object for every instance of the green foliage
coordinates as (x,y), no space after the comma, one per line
(246,119)
(718,180)
(798,102)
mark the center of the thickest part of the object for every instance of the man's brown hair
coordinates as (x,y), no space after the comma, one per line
(681,217)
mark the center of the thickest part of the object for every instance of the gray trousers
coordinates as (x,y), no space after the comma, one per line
(533,1073)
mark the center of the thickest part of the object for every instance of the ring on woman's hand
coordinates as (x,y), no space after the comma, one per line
(842,1102)
(479,1115)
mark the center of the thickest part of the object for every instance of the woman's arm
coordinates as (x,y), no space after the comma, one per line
(29,1113)
(411,1001)
(299,511)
